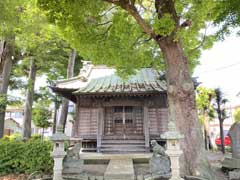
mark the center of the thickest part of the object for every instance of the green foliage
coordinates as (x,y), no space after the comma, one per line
(165,25)
(204,100)
(3,102)
(220,105)
(109,35)
(41,116)
(17,156)
(228,17)
(113,38)
(8,100)
(237,115)
(9,17)
(35,38)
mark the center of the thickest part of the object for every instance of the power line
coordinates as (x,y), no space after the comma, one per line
(220,68)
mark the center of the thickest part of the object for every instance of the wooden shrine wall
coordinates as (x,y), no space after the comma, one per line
(157,121)
(87,122)
(88,113)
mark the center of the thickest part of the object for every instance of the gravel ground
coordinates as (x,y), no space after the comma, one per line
(14,177)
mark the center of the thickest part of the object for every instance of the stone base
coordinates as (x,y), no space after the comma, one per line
(234,175)
(193,178)
(160,165)
(175,178)
(72,166)
(231,163)
(83,177)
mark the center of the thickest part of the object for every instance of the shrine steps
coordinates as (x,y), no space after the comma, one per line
(122,146)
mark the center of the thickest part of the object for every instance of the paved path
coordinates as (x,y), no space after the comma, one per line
(119,169)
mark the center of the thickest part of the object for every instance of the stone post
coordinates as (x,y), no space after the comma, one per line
(173,149)
(58,153)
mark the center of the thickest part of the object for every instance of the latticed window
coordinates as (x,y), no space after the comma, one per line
(123,114)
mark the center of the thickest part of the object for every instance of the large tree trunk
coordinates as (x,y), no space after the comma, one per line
(6,54)
(65,102)
(182,109)
(222,136)
(27,118)
(3,45)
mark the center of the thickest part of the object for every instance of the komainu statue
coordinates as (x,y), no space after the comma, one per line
(160,164)
(157,149)
(73,152)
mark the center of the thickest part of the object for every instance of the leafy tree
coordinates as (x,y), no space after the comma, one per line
(228,17)
(43,51)
(220,103)
(237,115)
(41,116)
(9,23)
(37,50)
(134,34)
(205,111)
(46,95)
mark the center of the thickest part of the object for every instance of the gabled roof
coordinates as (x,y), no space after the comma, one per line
(146,80)
(102,80)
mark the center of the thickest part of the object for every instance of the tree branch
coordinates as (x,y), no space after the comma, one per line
(166,6)
(107,11)
(132,10)
(137,40)
(201,43)
(116,2)
(143,24)
(186,23)
(104,23)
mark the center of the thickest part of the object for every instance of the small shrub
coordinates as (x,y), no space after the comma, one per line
(17,156)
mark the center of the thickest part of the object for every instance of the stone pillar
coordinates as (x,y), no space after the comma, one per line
(58,153)
(173,149)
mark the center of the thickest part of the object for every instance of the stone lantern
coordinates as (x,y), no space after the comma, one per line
(173,149)
(58,153)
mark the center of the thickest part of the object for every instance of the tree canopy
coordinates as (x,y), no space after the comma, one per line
(41,116)
(228,17)
(105,33)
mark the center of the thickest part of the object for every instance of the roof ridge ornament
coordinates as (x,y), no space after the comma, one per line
(85,70)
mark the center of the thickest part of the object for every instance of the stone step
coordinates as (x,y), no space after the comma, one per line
(121,150)
(120,137)
(123,142)
(119,169)
(123,146)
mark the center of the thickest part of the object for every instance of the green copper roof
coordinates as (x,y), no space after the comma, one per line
(145,80)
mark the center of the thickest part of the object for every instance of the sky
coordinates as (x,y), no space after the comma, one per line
(220,67)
